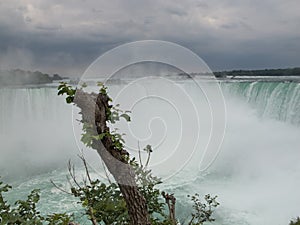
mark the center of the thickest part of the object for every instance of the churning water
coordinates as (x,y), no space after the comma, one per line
(256,174)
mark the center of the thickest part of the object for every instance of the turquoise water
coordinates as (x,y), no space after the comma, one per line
(255,175)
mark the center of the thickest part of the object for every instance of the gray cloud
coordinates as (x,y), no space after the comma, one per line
(67,35)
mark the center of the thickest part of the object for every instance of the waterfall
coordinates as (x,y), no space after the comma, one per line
(35,130)
(276,100)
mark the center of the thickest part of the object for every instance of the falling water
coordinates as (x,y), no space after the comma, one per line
(277,100)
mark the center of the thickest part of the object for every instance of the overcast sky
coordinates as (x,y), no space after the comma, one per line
(65,36)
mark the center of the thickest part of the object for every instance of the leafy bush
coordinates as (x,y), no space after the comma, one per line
(203,211)
(25,212)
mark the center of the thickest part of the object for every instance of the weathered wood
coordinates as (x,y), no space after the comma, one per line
(94,112)
(171,201)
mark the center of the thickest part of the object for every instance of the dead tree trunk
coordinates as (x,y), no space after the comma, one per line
(171,201)
(94,108)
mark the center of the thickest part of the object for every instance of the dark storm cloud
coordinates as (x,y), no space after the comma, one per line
(66,36)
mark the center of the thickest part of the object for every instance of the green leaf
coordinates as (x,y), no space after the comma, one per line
(101,136)
(125,116)
(69,99)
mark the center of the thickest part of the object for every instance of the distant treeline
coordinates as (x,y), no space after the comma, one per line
(266,72)
(22,77)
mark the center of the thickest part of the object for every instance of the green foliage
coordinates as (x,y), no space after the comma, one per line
(5,212)
(102,202)
(117,139)
(63,88)
(25,212)
(103,89)
(295,222)
(114,114)
(147,187)
(88,138)
(202,211)
(105,204)
(58,219)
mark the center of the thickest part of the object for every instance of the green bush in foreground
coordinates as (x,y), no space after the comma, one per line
(104,204)
(24,212)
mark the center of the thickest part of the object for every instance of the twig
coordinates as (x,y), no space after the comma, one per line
(59,188)
(71,170)
(93,219)
(140,158)
(171,201)
(148,159)
(193,217)
(86,168)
